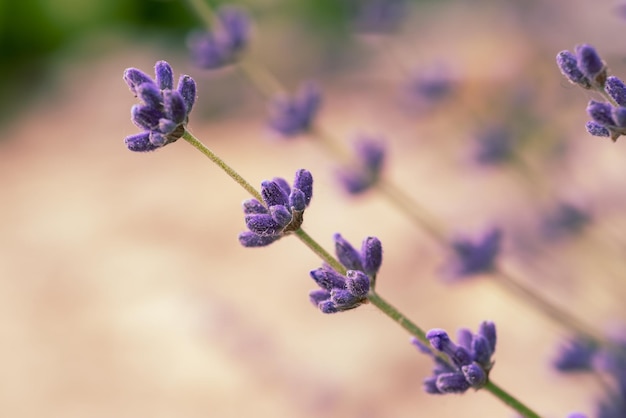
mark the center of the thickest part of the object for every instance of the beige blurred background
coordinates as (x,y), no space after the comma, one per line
(124,291)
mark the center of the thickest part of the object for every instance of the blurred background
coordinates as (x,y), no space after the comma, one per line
(124,291)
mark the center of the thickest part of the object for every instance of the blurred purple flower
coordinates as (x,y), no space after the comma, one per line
(473,257)
(575,354)
(566,219)
(361,176)
(164,112)
(340,293)
(222,45)
(469,361)
(495,145)
(290,116)
(431,86)
(376,16)
(280,213)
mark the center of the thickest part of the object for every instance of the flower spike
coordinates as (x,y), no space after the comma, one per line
(281,212)
(164,113)
(338,292)
(470,360)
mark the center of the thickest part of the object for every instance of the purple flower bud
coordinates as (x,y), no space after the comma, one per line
(134,78)
(283,184)
(174,105)
(145,117)
(616,89)
(372,255)
(249,239)
(157,139)
(164,75)
(589,61)
(290,116)
(464,338)
(619,116)
(150,94)
(280,214)
(487,329)
(430,386)
(297,200)
(452,383)
(596,129)
(601,112)
(187,89)
(328,279)
(482,351)
(318,296)
(347,254)
(253,206)
(328,307)
(304,182)
(263,224)
(474,375)
(344,299)
(357,283)
(273,194)
(139,142)
(568,64)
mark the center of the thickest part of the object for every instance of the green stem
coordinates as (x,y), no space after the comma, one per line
(389,310)
(187,136)
(553,312)
(320,251)
(509,400)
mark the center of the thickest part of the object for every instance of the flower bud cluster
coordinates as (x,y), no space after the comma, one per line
(338,292)
(221,46)
(164,112)
(280,213)
(470,360)
(364,174)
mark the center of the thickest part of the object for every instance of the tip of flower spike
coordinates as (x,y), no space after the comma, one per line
(164,113)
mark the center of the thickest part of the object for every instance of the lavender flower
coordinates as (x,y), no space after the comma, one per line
(377,16)
(338,292)
(495,145)
(164,113)
(290,116)
(363,175)
(431,86)
(612,360)
(575,355)
(469,362)
(565,219)
(222,45)
(474,257)
(281,212)
(584,68)
(607,120)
